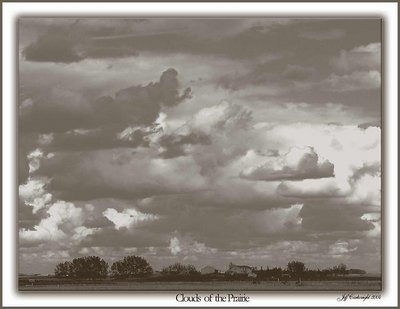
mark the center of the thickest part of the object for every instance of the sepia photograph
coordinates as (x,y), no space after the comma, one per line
(199,154)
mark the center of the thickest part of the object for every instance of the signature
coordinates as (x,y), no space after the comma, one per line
(363,297)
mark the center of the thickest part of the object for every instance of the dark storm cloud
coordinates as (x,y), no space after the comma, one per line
(246,40)
(120,173)
(174,145)
(95,139)
(329,217)
(57,45)
(366,125)
(280,75)
(74,177)
(59,110)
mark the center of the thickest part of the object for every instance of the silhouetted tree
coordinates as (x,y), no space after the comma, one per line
(340,269)
(89,267)
(131,266)
(63,270)
(180,269)
(296,268)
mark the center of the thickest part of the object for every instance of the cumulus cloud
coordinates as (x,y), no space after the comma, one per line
(223,117)
(297,164)
(174,246)
(61,215)
(34,194)
(188,247)
(128,218)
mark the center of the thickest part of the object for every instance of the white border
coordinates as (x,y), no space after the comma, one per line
(388,11)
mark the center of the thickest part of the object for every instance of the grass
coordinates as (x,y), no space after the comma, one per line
(111,285)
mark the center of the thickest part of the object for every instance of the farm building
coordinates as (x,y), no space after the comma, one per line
(239,269)
(208,270)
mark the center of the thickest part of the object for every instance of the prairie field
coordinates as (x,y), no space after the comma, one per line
(336,285)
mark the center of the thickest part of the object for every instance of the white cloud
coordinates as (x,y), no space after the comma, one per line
(128,218)
(278,220)
(340,248)
(34,160)
(34,194)
(224,117)
(174,246)
(367,190)
(61,215)
(81,232)
(297,164)
(189,247)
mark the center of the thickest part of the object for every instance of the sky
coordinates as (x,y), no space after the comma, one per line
(200,141)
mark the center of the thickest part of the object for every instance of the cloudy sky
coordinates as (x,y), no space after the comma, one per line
(203,141)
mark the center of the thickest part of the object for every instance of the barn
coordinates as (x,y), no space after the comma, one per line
(239,269)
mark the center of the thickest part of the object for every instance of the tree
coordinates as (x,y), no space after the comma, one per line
(296,268)
(63,270)
(89,267)
(131,266)
(180,269)
(340,269)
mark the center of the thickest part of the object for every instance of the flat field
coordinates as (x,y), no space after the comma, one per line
(337,285)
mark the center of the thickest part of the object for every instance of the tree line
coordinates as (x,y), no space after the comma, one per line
(94,267)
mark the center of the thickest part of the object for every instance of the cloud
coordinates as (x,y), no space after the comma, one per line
(120,173)
(297,73)
(297,164)
(34,194)
(265,160)
(224,116)
(188,247)
(359,80)
(175,145)
(54,46)
(310,188)
(98,138)
(340,248)
(174,246)
(361,58)
(60,110)
(128,218)
(70,40)
(322,34)
(61,215)
(333,217)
